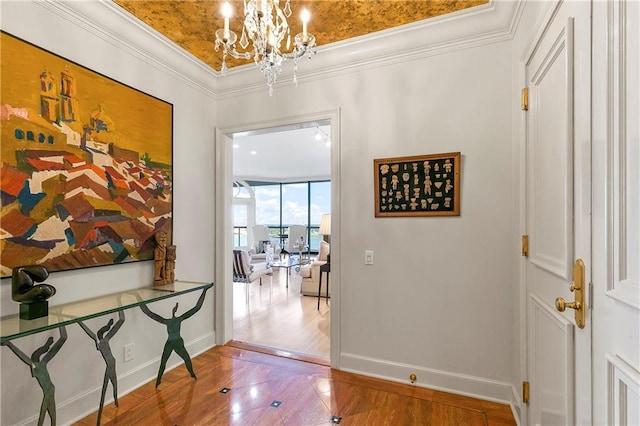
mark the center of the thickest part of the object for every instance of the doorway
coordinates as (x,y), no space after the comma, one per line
(268,292)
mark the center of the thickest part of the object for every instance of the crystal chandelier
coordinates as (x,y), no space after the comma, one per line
(266,27)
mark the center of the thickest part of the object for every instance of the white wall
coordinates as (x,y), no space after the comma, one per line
(437,300)
(99,37)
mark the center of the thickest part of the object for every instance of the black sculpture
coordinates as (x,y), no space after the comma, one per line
(174,343)
(38,363)
(32,297)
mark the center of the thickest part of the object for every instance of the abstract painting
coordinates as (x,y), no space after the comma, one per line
(86,171)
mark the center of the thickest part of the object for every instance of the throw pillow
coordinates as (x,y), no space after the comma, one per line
(324,250)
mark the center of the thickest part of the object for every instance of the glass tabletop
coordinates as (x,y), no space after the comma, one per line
(12,327)
(289,263)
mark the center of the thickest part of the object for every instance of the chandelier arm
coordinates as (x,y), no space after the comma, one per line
(239,55)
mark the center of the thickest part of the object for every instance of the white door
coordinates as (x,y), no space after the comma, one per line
(558,198)
(616,213)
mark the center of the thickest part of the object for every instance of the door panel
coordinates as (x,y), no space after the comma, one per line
(557,73)
(552,346)
(550,170)
(616,219)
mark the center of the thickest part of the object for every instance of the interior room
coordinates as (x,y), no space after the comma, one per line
(506,292)
(282,182)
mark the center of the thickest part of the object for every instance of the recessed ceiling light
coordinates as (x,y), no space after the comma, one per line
(253,153)
(235,145)
(328,143)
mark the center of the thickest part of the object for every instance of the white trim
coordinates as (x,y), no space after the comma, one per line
(516,405)
(477,26)
(619,287)
(224,222)
(112,24)
(446,381)
(540,309)
(622,377)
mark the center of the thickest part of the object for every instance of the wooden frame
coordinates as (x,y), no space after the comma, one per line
(422,185)
(87,164)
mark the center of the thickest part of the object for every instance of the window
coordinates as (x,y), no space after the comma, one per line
(268,205)
(295,204)
(320,203)
(240,225)
(281,205)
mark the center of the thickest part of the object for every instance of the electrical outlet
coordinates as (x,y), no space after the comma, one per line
(129,352)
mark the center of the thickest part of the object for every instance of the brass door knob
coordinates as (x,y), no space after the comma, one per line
(561,305)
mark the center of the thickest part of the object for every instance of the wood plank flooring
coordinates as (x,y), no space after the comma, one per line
(280,317)
(270,390)
(274,335)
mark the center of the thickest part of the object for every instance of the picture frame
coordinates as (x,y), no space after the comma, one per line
(420,185)
(87,164)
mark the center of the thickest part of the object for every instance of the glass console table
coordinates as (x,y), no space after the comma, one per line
(12,327)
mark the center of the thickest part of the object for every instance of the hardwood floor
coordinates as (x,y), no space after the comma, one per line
(282,318)
(265,388)
(270,390)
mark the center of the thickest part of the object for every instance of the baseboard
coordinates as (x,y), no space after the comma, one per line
(516,407)
(278,352)
(80,406)
(460,384)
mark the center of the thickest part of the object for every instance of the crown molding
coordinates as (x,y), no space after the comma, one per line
(481,25)
(111,23)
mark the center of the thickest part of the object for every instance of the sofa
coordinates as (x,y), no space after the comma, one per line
(311,273)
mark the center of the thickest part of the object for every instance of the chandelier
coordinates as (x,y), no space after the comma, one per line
(266,27)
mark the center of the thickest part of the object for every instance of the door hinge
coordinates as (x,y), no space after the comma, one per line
(525,245)
(525,392)
(525,99)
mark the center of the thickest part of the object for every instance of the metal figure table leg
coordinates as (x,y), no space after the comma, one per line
(174,343)
(101,339)
(38,363)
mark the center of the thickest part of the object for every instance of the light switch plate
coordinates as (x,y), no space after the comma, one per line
(368,257)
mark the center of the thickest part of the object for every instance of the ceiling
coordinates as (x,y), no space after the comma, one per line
(286,154)
(289,154)
(191,24)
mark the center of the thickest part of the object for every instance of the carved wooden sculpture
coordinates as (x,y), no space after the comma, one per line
(159,258)
(170,265)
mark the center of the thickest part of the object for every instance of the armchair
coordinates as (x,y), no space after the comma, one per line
(246,272)
(261,237)
(297,234)
(311,273)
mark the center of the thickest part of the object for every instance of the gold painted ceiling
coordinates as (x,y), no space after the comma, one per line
(191,24)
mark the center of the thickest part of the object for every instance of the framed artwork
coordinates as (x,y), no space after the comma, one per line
(86,173)
(422,185)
